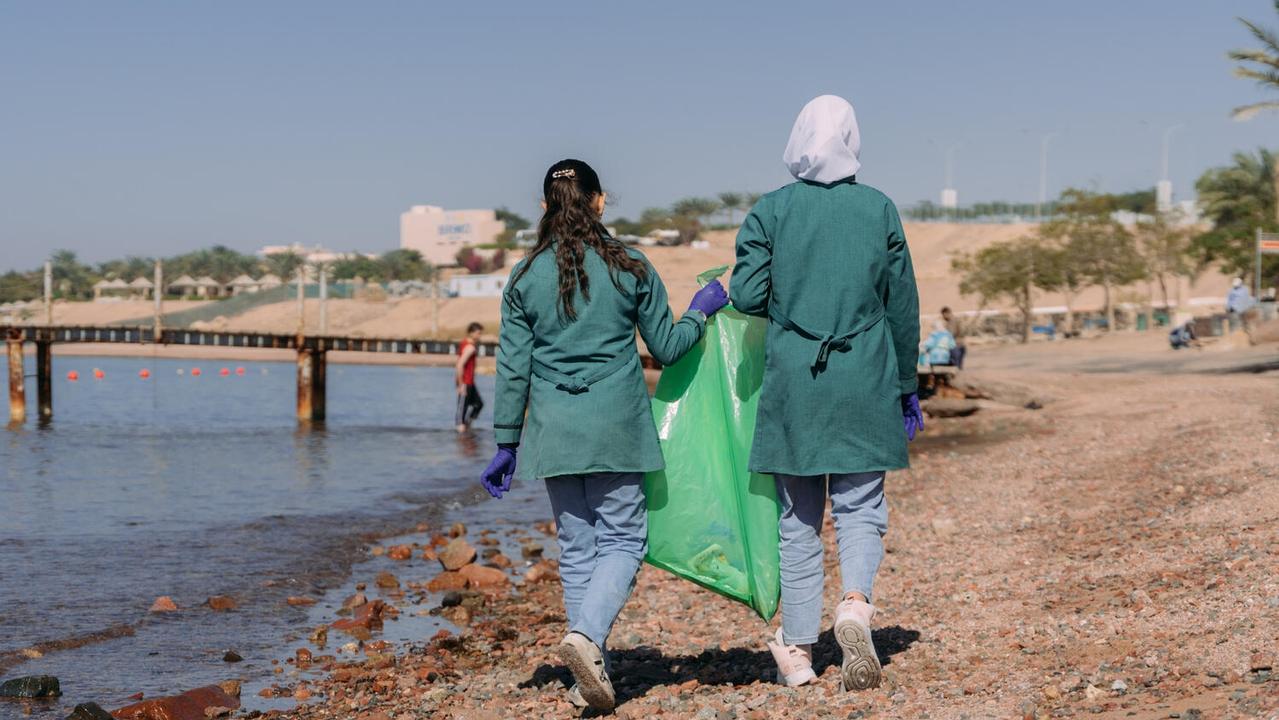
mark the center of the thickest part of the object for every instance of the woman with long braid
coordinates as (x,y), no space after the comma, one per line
(567,355)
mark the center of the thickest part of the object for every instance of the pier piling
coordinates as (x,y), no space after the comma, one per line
(306,371)
(44,378)
(17,382)
(319,371)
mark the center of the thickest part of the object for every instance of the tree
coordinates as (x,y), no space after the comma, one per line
(514,223)
(1067,276)
(19,287)
(731,202)
(751,199)
(1101,249)
(1261,65)
(687,215)
(283,265)
(404,265)
(1011,269)
(358,265)
(71,278)
(1238,199)
(1165,246)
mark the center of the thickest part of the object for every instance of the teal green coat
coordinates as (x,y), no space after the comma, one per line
(828,265)
(543,361)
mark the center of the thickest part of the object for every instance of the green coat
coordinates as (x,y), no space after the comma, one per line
(829,263)
(571,427)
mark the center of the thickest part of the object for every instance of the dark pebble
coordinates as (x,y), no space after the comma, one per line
(231,656)
(452,598)
(89,711)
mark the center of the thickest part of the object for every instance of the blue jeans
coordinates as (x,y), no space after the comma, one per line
(861,519)
(602,528)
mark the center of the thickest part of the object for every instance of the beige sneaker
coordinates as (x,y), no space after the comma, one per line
(586,662)
(860,669)
(794,662)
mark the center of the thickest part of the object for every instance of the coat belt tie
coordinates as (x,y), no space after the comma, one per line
(582,382)
(829,341)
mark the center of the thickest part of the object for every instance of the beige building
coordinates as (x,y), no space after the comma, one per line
(439,234)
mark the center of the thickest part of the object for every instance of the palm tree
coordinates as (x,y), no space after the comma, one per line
(731,202)
(284,264)
(1262,65)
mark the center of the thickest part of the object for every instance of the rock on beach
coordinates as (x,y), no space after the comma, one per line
(457,554)
(194,704)
(33,686)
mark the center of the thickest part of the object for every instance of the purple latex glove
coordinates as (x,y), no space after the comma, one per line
(911,415)
(496,478)
(709,299)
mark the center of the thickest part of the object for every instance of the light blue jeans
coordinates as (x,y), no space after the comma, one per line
(861,519)
(602,528)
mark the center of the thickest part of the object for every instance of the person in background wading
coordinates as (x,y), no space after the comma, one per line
(469,402)
(825,260)
(567,354)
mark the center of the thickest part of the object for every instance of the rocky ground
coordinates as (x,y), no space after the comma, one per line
(1110,554)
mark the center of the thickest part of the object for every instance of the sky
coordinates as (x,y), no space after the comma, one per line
(154,128)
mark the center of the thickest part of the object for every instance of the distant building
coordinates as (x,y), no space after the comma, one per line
(950,198)
(312,254)
(439,234)
(1163,196)
(477,285)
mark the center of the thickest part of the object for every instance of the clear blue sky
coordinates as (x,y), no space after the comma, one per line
(156,127)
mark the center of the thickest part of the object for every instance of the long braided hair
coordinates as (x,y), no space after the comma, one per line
(569,225)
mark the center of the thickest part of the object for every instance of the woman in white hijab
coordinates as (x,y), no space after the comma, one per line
(825,260)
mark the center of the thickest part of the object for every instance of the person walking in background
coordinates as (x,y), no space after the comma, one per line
(956,329)
(469,402)
(567,355)
(825,260)
(1238,302)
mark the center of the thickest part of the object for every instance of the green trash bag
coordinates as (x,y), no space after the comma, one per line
(710,520)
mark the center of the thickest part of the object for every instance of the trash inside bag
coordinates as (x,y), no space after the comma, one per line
(710,520)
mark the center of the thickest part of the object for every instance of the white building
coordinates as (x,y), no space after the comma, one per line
(439,234)
(477,285)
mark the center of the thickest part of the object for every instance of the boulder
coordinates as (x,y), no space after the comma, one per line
(32,686)
(446,581)
(194,704)
(89,711)
(456,554)
(480,576)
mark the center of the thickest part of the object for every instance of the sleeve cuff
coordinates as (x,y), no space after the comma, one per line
(909,385)
(508,434)
(698,318)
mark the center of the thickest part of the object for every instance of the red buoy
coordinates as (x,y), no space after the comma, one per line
(73,376)
(144,373)
(98,374)
(239,371)
(195,372)
(224,372)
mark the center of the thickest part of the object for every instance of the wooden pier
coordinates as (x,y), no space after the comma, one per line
(312,356)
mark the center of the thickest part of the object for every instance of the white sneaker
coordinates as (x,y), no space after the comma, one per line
(860,669)
(576,699)
(586,662)
(794,662)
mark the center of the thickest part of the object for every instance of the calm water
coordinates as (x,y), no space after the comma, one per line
(196,486)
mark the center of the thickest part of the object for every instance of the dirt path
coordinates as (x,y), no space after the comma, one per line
(1111,555)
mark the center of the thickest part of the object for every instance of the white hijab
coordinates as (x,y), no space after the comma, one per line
(825,141)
